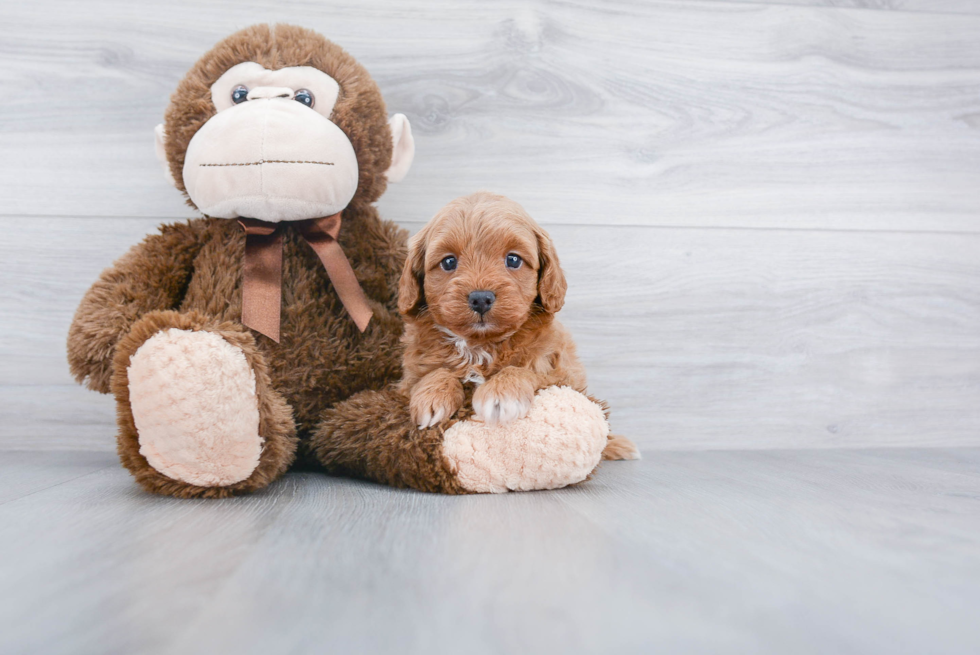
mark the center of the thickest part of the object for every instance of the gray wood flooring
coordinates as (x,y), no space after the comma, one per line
(859,551)
(769,214)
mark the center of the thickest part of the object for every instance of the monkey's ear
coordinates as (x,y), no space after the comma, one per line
(411,295)
(161,149)
(551,279)
(403,148)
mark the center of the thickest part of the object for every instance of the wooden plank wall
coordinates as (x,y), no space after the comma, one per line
(768,212)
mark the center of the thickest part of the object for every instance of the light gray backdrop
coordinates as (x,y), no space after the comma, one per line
(768,212)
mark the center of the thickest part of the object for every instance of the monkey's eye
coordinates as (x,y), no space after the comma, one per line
(514,261)
(239,94)
(304,96)
(448,263)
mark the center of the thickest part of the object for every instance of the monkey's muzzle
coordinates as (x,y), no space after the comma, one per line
(270,159)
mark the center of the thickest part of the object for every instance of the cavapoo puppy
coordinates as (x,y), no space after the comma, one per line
(479,293)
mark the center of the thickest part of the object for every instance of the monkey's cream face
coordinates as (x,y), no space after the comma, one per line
(271,152)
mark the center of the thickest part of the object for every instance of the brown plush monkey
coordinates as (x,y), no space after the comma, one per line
(228,340)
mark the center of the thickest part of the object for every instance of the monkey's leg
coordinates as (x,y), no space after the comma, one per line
(197,414)
(372,435)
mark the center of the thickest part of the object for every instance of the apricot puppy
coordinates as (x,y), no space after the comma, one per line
(479,293)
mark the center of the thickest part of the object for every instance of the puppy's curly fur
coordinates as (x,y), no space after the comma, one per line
(486,243)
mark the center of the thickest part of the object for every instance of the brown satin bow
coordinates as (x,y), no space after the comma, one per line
(262,288)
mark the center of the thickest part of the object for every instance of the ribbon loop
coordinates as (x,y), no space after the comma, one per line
(262,285)
(328,226)
(255,226)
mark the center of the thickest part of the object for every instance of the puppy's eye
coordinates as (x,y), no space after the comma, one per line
(448,263)
(239,94)
(304,96)
(514,261)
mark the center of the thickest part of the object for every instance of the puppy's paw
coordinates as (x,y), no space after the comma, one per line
(435,398)
(503,398)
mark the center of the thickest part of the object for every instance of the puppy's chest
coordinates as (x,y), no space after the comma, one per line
(475,363)
(471,363)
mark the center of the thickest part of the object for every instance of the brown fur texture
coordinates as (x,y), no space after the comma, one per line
(517,347)
(190,275)
(371,436)
(527,348)
(322,357)
(480,230)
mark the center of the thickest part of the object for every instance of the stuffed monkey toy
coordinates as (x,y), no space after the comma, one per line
(236,344)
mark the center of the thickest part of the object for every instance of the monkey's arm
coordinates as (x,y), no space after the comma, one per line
(153,275)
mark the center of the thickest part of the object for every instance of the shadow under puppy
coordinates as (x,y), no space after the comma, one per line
(479,293)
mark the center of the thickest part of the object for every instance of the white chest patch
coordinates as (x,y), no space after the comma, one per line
(470,355)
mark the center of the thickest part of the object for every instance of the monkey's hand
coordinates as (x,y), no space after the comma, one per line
(436,397)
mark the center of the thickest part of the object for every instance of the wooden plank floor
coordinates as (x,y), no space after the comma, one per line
(859,551)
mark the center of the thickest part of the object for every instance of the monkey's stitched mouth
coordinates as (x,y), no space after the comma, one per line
(273,161)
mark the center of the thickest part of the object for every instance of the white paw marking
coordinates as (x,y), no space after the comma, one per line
(494,410)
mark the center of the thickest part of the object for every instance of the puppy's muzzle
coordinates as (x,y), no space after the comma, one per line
(481,301)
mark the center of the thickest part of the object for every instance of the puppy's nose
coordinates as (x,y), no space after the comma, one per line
(481,301)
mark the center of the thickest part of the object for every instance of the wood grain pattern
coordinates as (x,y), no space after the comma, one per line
(698,338)
(23,473)
(639,113)
(931,6)
(773,552)
(56,417)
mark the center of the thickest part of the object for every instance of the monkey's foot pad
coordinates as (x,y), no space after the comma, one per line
(195,408)
(558,443)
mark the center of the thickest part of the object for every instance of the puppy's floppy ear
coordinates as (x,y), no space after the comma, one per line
(411,296)
(551,279)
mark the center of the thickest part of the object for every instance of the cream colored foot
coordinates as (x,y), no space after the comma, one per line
(194,405)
